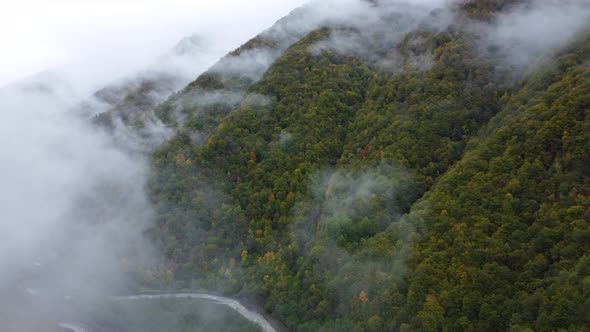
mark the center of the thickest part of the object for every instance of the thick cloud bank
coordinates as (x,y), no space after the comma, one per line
(532,31)
(74,204)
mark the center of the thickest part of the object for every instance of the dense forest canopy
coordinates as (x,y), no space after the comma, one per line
(388,166)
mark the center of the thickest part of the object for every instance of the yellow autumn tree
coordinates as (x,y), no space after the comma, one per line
(363,297)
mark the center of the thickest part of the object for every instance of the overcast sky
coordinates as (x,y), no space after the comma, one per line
(118,37)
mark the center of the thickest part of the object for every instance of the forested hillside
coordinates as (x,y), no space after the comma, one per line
(389,171)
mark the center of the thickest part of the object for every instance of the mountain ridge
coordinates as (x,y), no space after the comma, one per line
(362,183)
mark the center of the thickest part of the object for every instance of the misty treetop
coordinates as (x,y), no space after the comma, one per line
(398,171)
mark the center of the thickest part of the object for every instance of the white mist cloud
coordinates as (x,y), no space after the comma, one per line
(373,30)
(367,201)
(104,40)
(74,204)
(529,33)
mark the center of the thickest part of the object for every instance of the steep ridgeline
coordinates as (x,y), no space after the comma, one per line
(382,172)
(131,99)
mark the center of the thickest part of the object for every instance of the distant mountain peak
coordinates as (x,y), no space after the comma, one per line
(189,46)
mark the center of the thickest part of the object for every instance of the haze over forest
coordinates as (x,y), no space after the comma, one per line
(335,165)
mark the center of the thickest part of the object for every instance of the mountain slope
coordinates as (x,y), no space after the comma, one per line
(357,182)
(508,227)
